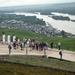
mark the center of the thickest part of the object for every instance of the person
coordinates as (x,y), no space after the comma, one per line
(9,47)
(36,44)
(59,44)
(60,53)
(33,45)
(51,44)
(14,44)
(47,45)
(21,45)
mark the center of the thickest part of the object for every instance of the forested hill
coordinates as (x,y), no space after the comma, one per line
(45,9)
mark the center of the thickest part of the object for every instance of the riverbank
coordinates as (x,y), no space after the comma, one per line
(67,26)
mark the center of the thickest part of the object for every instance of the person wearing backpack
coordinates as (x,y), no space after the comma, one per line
(60,53)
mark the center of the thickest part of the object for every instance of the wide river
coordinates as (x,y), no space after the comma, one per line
(67,26)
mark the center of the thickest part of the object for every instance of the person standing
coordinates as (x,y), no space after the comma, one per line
(9,47)
(14,44)
(36,44)
(60,53)
(46,45)
(21,45)
(51,44)
(59,44)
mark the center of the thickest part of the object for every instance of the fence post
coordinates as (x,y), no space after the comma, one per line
(44,51)
(26,50)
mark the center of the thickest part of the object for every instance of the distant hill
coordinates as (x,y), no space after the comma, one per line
(45,9)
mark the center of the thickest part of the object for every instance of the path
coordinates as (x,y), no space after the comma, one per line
(67,55)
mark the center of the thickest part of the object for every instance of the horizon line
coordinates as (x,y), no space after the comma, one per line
(35,4)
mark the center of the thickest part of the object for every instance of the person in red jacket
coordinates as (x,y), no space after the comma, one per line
(14,44)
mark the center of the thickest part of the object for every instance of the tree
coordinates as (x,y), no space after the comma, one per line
(63,33)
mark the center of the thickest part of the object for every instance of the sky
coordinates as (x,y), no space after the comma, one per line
(4,3)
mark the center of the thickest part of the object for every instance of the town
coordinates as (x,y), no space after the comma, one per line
(30,23)
(46,30)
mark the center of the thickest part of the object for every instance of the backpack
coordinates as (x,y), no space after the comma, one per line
(10,47)
(60,53)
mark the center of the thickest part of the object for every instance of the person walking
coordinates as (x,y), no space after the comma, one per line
(9,47)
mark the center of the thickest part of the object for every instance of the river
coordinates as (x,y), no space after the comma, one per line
(67,26)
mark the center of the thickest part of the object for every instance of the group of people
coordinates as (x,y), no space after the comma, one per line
(32,44)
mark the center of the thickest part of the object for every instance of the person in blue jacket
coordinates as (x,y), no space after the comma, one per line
(9,47)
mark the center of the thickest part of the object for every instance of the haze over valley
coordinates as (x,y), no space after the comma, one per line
(60,16)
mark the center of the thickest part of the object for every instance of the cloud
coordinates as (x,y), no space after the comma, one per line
(4,1)
(27,2)
(16,2)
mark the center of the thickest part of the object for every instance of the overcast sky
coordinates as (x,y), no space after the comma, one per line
(29,2)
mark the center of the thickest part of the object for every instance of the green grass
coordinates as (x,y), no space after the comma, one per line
(67,43)
(41,61)
(19,33)
(35,65)
(18,69)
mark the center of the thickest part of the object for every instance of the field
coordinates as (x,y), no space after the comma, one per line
(67,43)
(35,65)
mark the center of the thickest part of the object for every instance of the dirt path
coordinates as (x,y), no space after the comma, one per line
(67,55)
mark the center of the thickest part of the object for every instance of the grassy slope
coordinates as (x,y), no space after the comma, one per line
(19,33)
(17,69)
(67,43)
(30,65)
(41,62)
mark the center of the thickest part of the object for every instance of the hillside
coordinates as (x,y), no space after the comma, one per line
(67,43)
(31,65)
